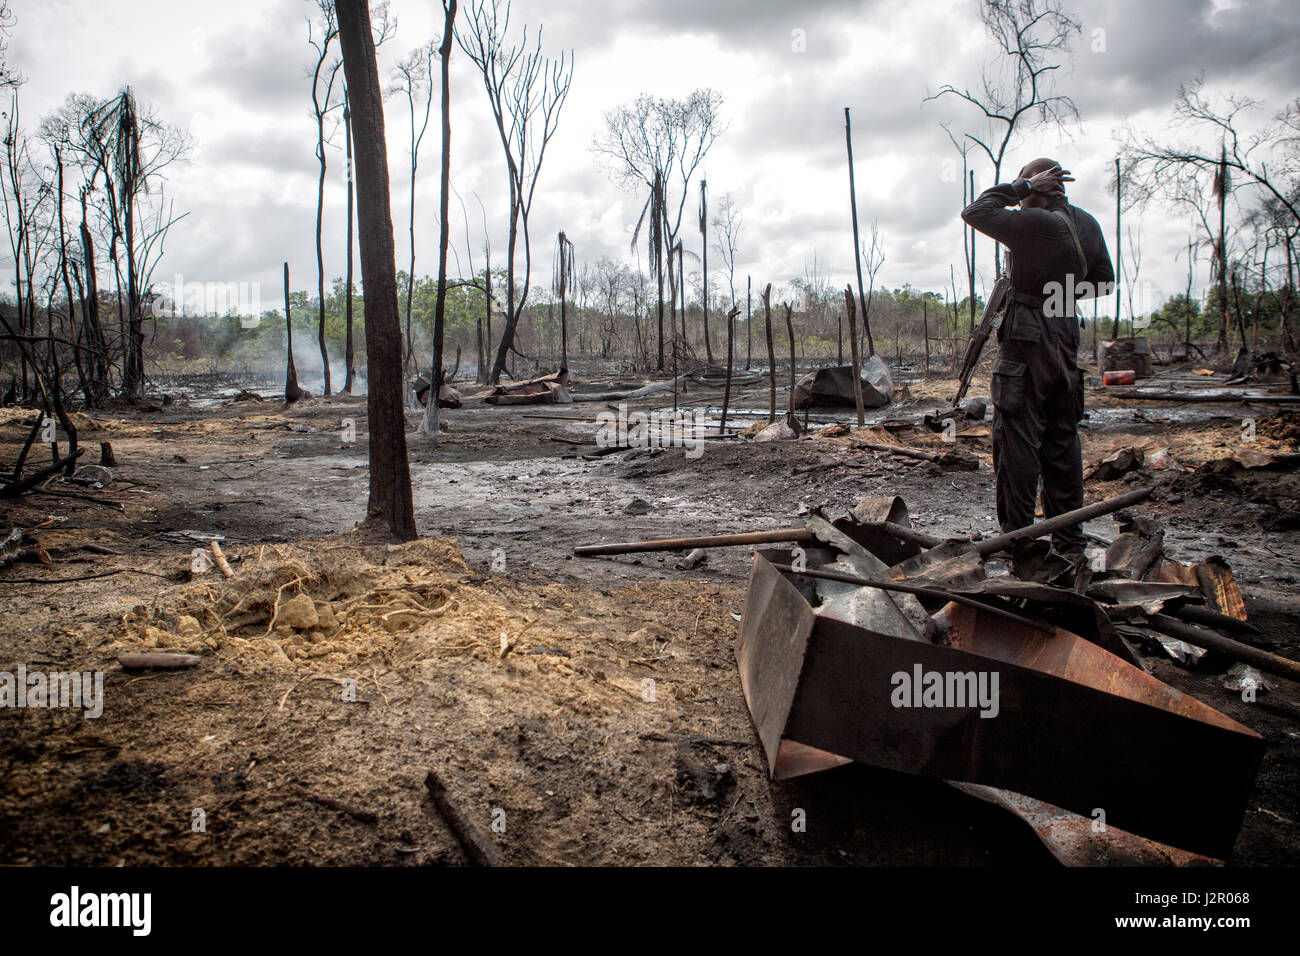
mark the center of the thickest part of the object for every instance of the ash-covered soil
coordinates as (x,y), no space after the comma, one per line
(609,727)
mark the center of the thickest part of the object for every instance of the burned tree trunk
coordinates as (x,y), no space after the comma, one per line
(429,424)
(789,332)
(657,241)
(749,317)
(726,394)
(320,253)
(704,267)
(390,505)
(771,353)
(853,208)
(349,353)
(291,390)
(1221,188)
(925,330)
(90,311)
(850,308)
(1119,252)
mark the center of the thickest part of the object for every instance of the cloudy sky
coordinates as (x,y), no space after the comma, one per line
(236,75)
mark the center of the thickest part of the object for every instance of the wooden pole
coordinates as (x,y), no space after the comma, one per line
(771,353)
(1119,254)
(291,390)
(1234,650)
(749,315)
(726,392)
(477,845)
(849,307)
(853,206)
(925,321)
(789,331)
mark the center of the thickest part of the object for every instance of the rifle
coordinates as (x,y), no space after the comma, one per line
(997,303)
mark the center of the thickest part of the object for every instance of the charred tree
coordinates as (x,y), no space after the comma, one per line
(771,353)
(857,245)
(704,264)
(390,507)
(349,352)
(429,423)
(321,107)
(291,390)
(526,92)
(415,79)
(562,282)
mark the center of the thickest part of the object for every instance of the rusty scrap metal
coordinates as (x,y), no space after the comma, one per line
(883,526)
(1148,596)
(1195,614)
(1214,579)
(1078,516)
(913,589)
(1077,840)
(896,617)
(785,535)
(904,533)
(1237,651)
(1076,726)
(951,564)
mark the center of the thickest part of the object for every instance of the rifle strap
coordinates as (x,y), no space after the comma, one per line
(1078,246)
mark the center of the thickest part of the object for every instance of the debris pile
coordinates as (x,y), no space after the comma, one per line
(842,638)
(833,387)
(859,629)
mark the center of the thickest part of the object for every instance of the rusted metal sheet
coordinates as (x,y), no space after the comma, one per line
(1071,611)
(953,564)
(1074,725)
(1214,579)
(1147,596)
(1084,841)
(868,516)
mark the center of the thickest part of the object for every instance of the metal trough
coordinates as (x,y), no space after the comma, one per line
(1075,726)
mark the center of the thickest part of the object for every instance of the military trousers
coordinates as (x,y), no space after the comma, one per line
(1038,404)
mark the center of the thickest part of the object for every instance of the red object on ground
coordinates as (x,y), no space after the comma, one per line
(1123,377)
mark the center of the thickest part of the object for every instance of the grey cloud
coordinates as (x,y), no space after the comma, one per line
(1151,48)
(264,69)
(762,25)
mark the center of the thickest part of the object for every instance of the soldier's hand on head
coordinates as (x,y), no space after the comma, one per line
(1049,181)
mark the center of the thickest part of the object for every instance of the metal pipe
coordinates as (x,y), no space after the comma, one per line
(1078,516)
(1236,650)
(686,544)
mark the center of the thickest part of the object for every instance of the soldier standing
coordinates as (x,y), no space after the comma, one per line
(1057,255)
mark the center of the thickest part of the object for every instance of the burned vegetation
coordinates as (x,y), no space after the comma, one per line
(660,566)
